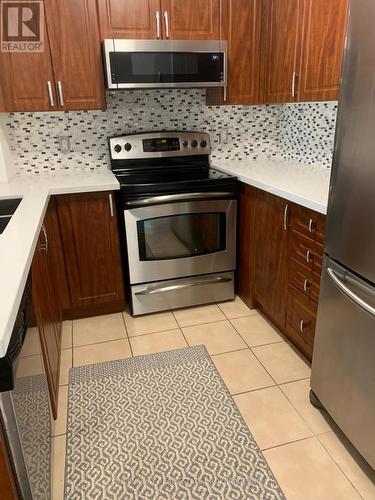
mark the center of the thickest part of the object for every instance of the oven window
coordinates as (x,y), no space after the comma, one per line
(179,236)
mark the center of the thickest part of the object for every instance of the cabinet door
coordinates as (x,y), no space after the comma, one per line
(56,260)
(48,324)
(324,28)
(243,18)
(128,18)
(76,53)
(191,19)
(271,256)
(2,102)
(245,244)
(91,244)
(24,80)
(281,45)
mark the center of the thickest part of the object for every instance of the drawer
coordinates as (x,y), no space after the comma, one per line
(307,251)
(308,222)
(304,279)
(301,320)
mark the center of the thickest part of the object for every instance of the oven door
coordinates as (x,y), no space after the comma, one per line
(181,239)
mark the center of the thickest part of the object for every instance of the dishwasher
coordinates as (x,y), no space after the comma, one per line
(25,416)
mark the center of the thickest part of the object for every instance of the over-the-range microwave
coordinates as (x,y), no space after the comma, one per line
(137,64)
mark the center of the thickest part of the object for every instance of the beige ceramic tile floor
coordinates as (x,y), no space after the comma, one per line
(268,379)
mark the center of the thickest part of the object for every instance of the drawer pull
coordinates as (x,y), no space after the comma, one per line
(306,285)
(311,226)
(302,326)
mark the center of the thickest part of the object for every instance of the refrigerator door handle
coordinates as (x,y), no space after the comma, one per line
(349,293)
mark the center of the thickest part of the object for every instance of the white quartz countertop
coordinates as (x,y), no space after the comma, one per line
(303,184)
(18,241)
(307,185)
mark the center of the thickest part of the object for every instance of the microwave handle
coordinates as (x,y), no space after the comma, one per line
(178,197)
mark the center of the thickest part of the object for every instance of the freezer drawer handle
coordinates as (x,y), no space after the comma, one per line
(349,293)
(170,288)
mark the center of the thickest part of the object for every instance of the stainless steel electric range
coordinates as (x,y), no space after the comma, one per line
(177,219)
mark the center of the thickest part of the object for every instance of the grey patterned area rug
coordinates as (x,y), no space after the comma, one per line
(161,426)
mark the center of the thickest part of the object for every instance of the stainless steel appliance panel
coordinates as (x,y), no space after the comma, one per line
(172,294)
(351,222)
(343,373)
(142,68)
(169,239)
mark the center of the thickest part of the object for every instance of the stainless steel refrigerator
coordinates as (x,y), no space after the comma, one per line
(343,372)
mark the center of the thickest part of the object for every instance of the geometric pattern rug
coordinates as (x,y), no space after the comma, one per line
(162,426)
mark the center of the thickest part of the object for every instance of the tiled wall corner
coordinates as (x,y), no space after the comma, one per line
(307,132)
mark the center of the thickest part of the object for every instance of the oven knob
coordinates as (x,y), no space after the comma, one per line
(117,148)
(128,146)
(194,144)
(185,144)
(203,143)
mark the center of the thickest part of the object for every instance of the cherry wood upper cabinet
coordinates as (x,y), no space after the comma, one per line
(2,102)
(89,232)
(129,18)
(271,255)
(191,19)
(324,28)
(281,41)
(27,80)
(76,50)
(244,50)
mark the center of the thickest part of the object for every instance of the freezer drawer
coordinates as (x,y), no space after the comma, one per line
(343,370)
(182,292)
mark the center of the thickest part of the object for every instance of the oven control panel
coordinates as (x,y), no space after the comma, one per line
(159,144)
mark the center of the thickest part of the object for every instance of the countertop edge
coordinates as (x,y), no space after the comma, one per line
(38,193)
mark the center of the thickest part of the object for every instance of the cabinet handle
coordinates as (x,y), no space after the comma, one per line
(45,245)
(302,326)
(157,24)
(306,285)
(308,256)
(110,199)
(286,213)
(50,94)
(60,92)
(166,20)
(311,226)
(294,84)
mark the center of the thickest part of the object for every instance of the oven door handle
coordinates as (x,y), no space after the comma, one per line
(156,200)
(151,290)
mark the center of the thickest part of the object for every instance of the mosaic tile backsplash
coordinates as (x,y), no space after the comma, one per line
(302,132)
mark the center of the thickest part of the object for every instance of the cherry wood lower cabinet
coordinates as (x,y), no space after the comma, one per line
(48,317)
(280,253)
(7,481)
(90,240)
(270,255)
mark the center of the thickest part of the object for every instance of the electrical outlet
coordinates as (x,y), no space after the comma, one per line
(64,144)
(223,136)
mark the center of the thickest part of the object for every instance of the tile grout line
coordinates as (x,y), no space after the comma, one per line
(127,335)
(252,390)
(338,465)
(286,443)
